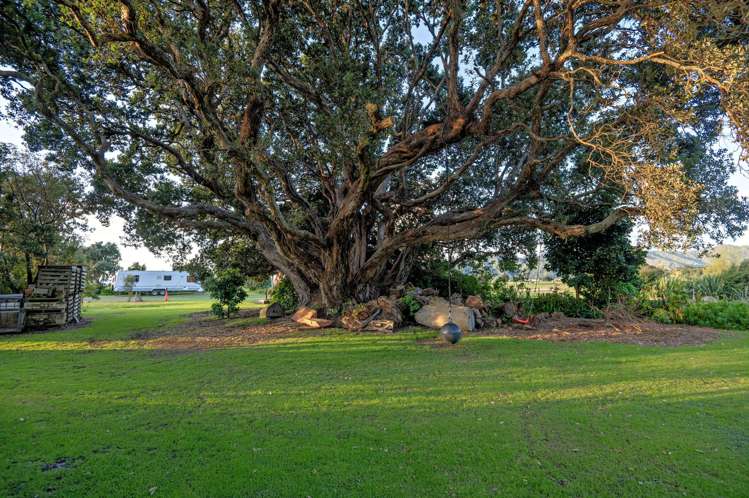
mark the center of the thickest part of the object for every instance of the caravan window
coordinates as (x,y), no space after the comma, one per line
(167,277)
(190,279)
(136,278)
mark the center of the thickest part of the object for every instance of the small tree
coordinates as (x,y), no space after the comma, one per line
(601,267)
(137,267)
(227,287)
(129,284)
(102,260)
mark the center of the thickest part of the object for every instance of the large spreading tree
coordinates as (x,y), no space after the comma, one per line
(341,136)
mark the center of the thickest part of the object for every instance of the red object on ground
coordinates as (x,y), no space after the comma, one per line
(166,295)
(521,321)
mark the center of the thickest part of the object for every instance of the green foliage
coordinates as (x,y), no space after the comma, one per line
(500,292)
(232,252)
(435,275)
(669,299)
(284,295)
(604,267)
(137,267)
(720,315)
(218,310)
(227,287)
(92,290)
(662,316)
(332,90)
(664,296)
(560,301)
(102,260)
(11,275)
(730,284)
(409,305)
(41,210)
(107,291)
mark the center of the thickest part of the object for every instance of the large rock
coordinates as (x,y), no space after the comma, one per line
(509,309)
(308,317)
(434,315)
(475,302)
(304,313)
(273,311)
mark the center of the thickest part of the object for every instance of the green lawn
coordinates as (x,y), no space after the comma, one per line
(366,415)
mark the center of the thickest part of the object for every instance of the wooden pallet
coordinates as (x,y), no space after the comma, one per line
(56,299)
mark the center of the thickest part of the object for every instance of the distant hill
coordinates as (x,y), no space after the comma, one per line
(724,256)
(718,258)
(668,260)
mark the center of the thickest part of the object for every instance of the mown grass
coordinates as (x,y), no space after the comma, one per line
(367,415)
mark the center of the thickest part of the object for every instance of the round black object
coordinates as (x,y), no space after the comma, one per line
(451,332)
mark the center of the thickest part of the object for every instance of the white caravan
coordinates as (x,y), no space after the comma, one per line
(156,282)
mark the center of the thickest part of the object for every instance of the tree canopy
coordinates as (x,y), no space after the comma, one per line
(102,261)
(41,209)
(340,137)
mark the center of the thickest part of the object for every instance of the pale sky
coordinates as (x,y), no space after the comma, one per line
(114,232)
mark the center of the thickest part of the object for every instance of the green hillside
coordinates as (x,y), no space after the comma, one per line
(718,258)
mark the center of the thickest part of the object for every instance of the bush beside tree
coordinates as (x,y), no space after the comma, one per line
(227,287)
(283,294)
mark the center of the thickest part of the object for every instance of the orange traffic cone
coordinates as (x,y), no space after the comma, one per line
(166,295)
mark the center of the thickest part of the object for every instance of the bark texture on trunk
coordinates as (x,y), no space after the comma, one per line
(334,275)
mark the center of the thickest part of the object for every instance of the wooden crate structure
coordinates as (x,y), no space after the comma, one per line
(56,296)
(11,313)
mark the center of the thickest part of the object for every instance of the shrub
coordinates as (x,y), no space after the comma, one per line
(664,296)
(284,295)
(227,287)
(409,305)
(602,267)
(660,315)
(559,301)
(720,315)
(500,292)
(436,276)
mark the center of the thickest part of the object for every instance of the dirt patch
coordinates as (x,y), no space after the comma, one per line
(203,332)
(618,331)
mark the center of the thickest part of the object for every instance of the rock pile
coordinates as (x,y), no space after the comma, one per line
(385,314)
(381,314)
(468,314)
